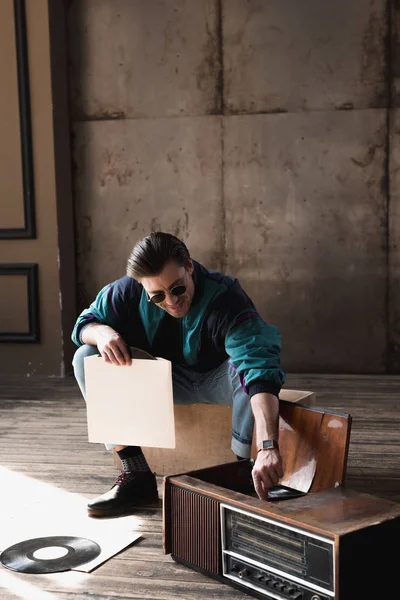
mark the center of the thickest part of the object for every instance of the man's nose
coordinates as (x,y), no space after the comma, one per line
(172,298)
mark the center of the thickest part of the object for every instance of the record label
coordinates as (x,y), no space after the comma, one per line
(35,555)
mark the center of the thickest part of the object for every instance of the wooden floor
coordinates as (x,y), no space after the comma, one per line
(44,450)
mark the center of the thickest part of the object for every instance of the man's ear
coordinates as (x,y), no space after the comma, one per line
(190,267)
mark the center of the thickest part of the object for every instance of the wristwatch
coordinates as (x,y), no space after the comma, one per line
(267,445)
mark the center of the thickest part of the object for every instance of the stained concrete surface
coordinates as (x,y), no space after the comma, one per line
(394,244)
(295,204)
(136,176)
(138,59)
(305,213)
(282,55)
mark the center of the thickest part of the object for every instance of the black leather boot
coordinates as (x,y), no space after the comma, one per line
(131,490)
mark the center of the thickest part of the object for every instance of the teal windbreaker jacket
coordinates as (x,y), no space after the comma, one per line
(222,324)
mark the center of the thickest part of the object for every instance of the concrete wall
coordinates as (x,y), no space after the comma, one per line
(265,134)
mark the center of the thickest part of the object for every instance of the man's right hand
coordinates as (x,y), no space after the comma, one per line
(109,343)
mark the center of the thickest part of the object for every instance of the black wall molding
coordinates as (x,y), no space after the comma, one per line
(30,270)
(29,229)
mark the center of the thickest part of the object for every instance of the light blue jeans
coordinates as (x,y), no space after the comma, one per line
(220,386)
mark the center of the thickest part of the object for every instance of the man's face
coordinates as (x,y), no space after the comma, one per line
(172,276)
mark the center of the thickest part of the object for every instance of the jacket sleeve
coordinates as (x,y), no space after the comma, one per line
(106,309)
(254,350)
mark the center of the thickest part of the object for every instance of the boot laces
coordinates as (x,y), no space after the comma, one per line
(124,477)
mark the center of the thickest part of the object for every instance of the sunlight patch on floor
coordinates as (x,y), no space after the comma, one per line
(30,508)
(15,584)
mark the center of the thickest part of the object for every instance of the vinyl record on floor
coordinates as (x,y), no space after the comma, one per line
(49,554)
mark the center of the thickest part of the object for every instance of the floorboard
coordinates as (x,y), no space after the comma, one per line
(49,470)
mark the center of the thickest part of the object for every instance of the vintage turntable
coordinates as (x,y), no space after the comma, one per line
(330,543)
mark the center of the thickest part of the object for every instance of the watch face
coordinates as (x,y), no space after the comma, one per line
(268,444)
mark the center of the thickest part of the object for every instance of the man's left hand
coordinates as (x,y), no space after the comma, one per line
(267,471)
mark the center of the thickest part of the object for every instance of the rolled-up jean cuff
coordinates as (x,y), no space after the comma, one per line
(111,446)
(241,449)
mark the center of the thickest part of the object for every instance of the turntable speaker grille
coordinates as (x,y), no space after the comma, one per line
(195,532)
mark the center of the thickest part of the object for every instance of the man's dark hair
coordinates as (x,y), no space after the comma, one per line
(150,255)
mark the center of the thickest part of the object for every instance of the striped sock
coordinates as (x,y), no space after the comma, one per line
(133,460)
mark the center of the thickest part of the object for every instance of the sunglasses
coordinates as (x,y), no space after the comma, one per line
(175,291)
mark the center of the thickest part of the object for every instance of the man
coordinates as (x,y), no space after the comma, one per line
(221,351)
